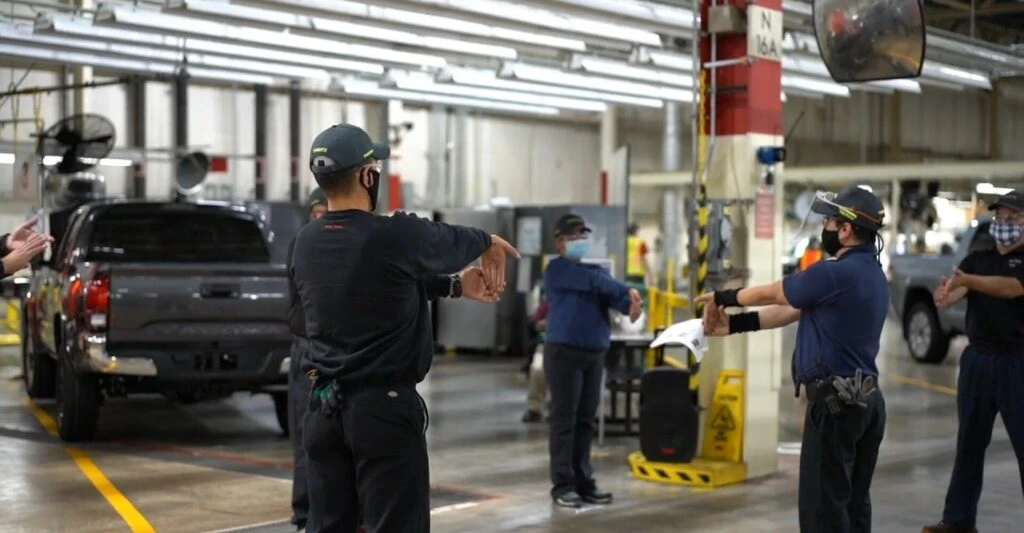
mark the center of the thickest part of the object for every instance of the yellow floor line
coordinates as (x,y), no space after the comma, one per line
(920,383)
(92,472)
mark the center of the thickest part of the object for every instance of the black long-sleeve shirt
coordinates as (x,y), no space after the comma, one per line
(360,280)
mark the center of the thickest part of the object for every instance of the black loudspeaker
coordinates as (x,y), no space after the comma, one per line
(669,416)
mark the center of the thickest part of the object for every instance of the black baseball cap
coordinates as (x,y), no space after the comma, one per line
(317,197)
(342,147)
(570,224)
(854,205)
(1011,200)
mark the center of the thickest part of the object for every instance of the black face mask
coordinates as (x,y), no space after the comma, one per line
(374,189)
(830,241)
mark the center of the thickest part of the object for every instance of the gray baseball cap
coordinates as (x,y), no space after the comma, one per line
(342,147)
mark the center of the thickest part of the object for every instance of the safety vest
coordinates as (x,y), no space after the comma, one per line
(635,265)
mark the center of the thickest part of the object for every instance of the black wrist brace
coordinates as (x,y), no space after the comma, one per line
(727,298)
(743,322)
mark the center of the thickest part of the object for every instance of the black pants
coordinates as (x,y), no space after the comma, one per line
(298,406)
(988,384)
(574,378)
(368,463)
(837,462)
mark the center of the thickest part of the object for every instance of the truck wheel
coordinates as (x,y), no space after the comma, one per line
(925,338)
(281,410)
(78,402)
(38,369)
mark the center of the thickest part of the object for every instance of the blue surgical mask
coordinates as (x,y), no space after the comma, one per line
(577,250)
(1006,233)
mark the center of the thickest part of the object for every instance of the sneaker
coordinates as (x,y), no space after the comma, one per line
(569,499)
(532,417)
(943,527)
(597,496)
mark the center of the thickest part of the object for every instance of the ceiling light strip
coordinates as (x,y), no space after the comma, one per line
(190,27)
(488,79)
(555,76)
(412,83)
(373,91)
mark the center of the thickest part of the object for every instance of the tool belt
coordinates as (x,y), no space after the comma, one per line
(841,394)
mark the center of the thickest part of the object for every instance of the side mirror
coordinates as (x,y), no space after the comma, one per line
(868,40)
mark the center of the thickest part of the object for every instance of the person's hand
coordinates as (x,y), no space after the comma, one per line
(21,234)
(707,300)
(493,263)
(636,305)
(941,295)
(474,287)
(26,251)
(541,325)
(716,321)
(956,281)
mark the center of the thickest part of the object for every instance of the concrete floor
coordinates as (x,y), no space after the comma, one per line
(223,465)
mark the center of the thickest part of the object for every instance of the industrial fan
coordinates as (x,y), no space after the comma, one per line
(80,140)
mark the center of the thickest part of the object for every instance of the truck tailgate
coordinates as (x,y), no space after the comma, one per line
(188,303)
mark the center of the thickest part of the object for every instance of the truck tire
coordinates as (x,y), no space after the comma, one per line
(38,369)
(78,402)
(281,409)
(925,338)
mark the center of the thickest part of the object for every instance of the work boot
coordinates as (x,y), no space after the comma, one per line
(943,527)
(569,499)
(597,496)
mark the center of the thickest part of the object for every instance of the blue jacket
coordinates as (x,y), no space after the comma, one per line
(579,297)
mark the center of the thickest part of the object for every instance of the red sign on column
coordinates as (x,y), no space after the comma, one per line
(764,215)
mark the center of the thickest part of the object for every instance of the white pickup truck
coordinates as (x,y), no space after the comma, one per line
(913,280)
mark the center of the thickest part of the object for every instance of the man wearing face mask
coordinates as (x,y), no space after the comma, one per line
(364,282)
(992,365)
(841,306)
(298,384)
(578,334)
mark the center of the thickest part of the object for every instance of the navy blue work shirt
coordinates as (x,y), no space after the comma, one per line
(843,304)
(579,297)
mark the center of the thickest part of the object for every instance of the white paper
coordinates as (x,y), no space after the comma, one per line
(689,333)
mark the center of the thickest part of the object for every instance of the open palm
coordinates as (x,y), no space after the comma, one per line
(20,235)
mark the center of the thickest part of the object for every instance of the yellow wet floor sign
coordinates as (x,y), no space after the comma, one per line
(723,436)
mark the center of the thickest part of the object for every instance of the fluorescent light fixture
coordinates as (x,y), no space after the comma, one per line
(487,78)
(548,19)
(557,77)
(191,27)
(659,58)
(403,17)
(83,28)
(6,159)
(105,162)
(806,84)
(956,75)
(678,17)
(376,33)
(413,83)
(597,65)
(988,188)
(167,56)
(374,91)
(130,65)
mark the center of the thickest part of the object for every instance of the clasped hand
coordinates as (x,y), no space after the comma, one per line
(486,282)
(716,321)
(944,293)
(23,245)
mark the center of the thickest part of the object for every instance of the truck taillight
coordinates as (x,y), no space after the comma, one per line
(97,302)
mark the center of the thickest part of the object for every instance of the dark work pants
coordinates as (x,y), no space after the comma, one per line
(988,384)
(837,462)
(367,463)
(574,379)
(298,403)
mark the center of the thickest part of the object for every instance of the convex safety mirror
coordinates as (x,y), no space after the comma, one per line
(867,40)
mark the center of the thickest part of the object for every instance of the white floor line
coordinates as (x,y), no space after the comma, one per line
(453,507)
(283,522)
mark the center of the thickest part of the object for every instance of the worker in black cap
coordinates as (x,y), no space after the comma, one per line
(991,379)
(841,305)
(364,282)
(298,384)
(578,334)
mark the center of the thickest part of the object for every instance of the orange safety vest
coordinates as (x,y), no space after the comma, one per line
(636,248)
(809,258)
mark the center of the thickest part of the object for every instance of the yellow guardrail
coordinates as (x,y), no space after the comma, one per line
(10,334)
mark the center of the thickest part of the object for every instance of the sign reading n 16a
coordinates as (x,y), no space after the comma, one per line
(764,33)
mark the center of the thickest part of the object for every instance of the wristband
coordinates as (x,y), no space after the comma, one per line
(743,322)
(727,298)
(455,288)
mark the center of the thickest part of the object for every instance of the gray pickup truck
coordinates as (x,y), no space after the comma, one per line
(914,279)
(180,299)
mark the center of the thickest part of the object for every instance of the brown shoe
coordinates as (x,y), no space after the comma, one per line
(943,527)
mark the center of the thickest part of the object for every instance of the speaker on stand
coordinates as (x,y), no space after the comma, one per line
(669,413)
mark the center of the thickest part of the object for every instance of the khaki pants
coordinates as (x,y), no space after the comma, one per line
(538,391)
